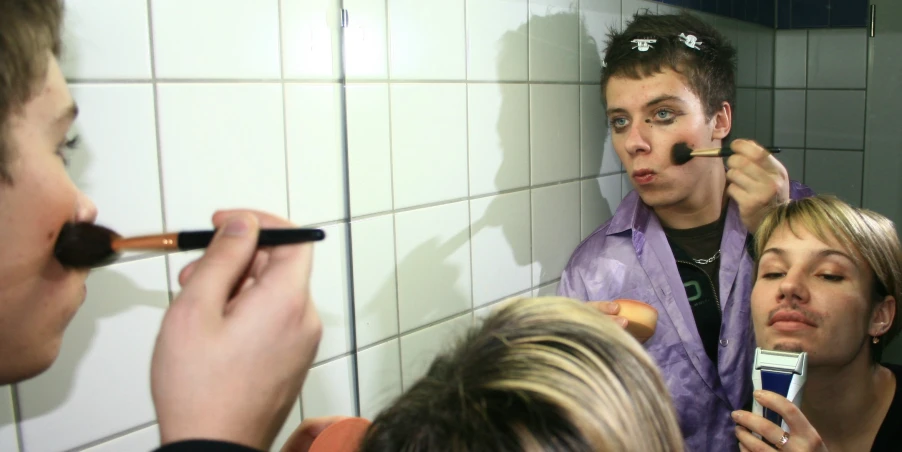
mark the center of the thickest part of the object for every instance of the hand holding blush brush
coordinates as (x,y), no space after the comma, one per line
(87,245)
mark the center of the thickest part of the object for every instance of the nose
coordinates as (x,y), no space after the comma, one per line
(793,288)
(635,140)
(85,210)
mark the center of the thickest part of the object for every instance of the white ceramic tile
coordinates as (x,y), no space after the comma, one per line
(707,18)
(315,143)
(118,323)
(429,143)
(375,281)
(625,185)
(427,40)
(598,202)
(118,151)
(366,40)
(311,44)
(498,143)
(837,58)
(369,148)
(8,439)
(147,438)
(729,28)
(501,246)
(747,53)
(764,113)
(420,348)
(481,314)
(765,58)
(667,9)
(597,154)
(216,39)
(548,290)
(433,248)
(497,40)
(554,132)
(744,115)
(329,390)
(835,172)
(631,7)
(329,289)
(790,59)
(291,423)
(555,229)
(89,50)
(789,118)
(598,17)
(835,119)
(222,146)
(553,41)
(794,162)
(380,377)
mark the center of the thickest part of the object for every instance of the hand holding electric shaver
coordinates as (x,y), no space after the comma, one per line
(776,421)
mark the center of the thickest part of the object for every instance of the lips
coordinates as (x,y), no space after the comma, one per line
(644,176)
(790,316)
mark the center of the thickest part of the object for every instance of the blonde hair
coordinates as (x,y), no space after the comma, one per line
(867,236)
(539,374)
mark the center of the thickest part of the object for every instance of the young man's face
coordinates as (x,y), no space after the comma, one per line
(812,296)
(647,117)
(38,297)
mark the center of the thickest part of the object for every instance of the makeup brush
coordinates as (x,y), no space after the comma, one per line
(682,153)
(87,245)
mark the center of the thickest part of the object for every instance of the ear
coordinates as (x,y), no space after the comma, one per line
(882,316)
(723,122)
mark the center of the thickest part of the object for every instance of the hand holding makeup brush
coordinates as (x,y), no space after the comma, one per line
(236,344)
(756,180)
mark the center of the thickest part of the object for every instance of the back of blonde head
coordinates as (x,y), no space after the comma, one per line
(539,374)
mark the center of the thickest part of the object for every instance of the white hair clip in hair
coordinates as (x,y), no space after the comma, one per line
(604,63)
(643,44)
(691,41)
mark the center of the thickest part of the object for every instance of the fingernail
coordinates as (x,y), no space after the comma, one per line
(236,227)
(736,415)
(758,394)
(622,322)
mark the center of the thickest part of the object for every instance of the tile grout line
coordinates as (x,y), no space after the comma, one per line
(394,217)
(113,437)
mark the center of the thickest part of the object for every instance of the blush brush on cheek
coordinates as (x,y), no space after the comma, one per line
(682,153)
(87,245)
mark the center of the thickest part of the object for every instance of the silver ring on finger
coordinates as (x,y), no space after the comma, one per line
(783,440)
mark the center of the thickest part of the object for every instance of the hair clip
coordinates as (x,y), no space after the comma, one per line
(691,41)
(604,63)
(643,44)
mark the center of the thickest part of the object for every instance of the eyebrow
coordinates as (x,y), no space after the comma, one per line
(820,255)
(651,103)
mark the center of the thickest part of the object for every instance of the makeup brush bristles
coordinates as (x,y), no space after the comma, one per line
(682,153)
(84,245)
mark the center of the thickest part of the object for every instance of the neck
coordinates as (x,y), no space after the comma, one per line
(702,207)
(844,403)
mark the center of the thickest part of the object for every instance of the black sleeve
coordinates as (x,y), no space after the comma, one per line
(204,446)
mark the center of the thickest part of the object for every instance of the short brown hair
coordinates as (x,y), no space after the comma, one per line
(28,30)
(710,69)
(540,374)
(866,235)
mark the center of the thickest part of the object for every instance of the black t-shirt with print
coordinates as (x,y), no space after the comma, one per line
(700,279)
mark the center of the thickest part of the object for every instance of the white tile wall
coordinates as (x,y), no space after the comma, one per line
(380,381)
(790,59)
(8,439)
(460,120)
(215,39)
(104,362)
(427,40)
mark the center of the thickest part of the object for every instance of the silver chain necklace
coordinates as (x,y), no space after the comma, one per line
(708,260)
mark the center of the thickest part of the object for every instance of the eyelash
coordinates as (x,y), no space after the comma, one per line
(828,277)
(68,145)
(661,121)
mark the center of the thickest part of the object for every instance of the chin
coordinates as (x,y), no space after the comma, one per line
(784,345)
(29,366)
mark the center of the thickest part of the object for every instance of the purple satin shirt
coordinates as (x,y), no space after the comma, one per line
(629,257)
